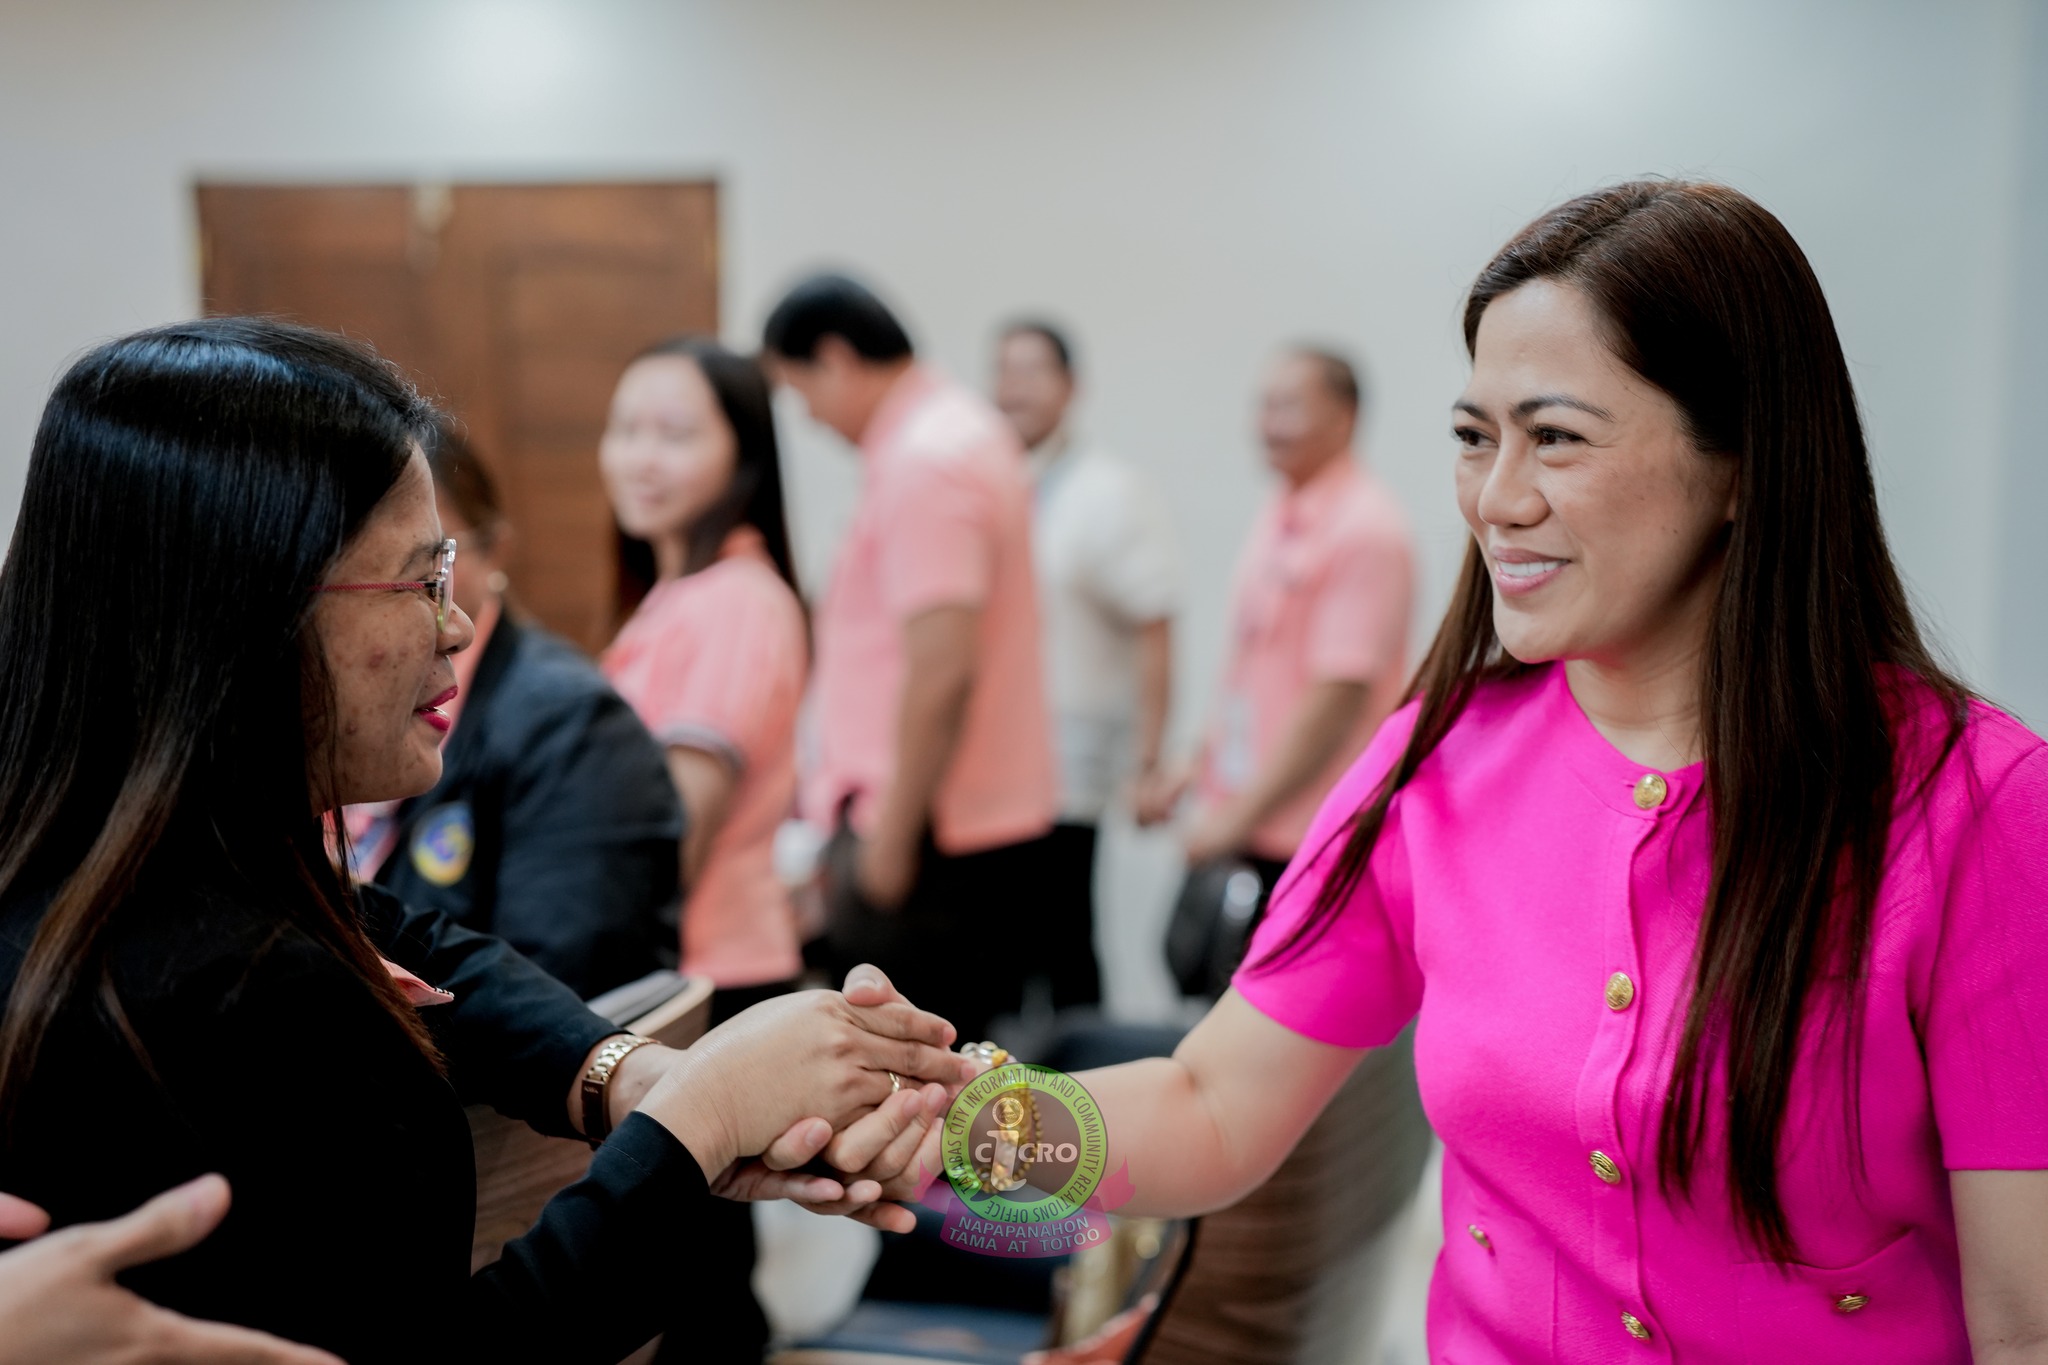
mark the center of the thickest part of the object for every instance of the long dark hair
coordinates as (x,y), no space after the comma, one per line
(755,496)
(1705,295)
(188,487)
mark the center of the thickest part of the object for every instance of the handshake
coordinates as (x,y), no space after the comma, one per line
(858,1077)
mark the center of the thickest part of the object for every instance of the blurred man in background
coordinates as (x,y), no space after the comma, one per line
(1108,582)
(1319,627)
(934,750)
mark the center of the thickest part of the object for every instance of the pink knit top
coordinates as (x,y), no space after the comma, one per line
(1533,904)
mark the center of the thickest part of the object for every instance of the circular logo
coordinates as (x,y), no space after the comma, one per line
(1024,1144)
(443,843)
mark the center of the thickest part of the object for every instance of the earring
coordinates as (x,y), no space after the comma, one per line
(497,583)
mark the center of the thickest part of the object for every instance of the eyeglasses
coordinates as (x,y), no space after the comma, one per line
(436,588)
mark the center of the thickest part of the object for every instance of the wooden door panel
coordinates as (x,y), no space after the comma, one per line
(342,260)
(515,306)
(366,300)
(571,304)
(290,222)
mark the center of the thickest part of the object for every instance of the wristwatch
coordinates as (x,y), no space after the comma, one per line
(597,1119)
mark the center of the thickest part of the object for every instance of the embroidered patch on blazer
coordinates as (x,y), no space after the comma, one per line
(443,842)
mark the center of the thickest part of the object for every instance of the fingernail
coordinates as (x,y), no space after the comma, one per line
(861,976)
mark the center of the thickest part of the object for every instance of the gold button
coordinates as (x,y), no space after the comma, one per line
(1851,1303)
(1604,1167)
(1635,1326)
(1620,991)
(1651,791)
(1479,1236)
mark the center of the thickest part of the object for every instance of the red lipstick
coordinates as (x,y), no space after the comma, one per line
(432,715)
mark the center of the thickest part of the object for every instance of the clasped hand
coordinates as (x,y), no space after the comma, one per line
(885,1152)
(806,1074)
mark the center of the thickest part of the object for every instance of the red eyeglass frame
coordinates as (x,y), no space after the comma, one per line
(438,588)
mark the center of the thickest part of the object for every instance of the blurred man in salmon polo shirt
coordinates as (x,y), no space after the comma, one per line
(934,757)
(1318,631)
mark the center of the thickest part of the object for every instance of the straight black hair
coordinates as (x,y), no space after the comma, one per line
(754,498)
(1705,295)
(187,489)
(834,305)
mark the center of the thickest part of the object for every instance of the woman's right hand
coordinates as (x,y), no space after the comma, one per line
(1157,794)
(811,1054)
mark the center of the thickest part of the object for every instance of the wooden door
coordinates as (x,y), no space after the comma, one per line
(515,306)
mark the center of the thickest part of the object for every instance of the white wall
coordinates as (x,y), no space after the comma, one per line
(2021,625)
(1187,181)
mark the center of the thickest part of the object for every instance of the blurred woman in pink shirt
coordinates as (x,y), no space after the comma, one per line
(714,655)
(713,658)
(1720,906)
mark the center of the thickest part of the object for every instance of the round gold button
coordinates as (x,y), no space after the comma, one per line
(1620,991)
(1604,1167)
(1635,1326)
(1651,789)
(1479,1235)
(1851,1303)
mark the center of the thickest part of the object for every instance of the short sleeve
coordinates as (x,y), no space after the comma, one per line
(940,548)
(1352,982)
(728,679)
(1135,566)
(1986,1030)
(1358,624)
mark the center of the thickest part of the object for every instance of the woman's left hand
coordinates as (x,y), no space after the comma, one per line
(876,1146)
(740,1088)
(894,1151)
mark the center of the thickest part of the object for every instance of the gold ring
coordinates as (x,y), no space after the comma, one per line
(895,1081)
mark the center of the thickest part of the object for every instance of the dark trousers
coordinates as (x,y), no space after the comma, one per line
(1068,874)
(738,1331)
(964,940)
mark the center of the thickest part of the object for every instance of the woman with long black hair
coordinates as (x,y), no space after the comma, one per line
(714,653)
(1721,906)
(713,658)
(554,825)
(224,614)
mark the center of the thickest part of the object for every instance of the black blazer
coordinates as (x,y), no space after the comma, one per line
(269,1061)
(555,824)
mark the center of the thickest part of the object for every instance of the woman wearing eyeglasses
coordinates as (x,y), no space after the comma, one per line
(225,614)
(554,825)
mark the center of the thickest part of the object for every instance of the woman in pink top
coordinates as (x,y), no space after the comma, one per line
(713,658)
(714,655)
(1721,907)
